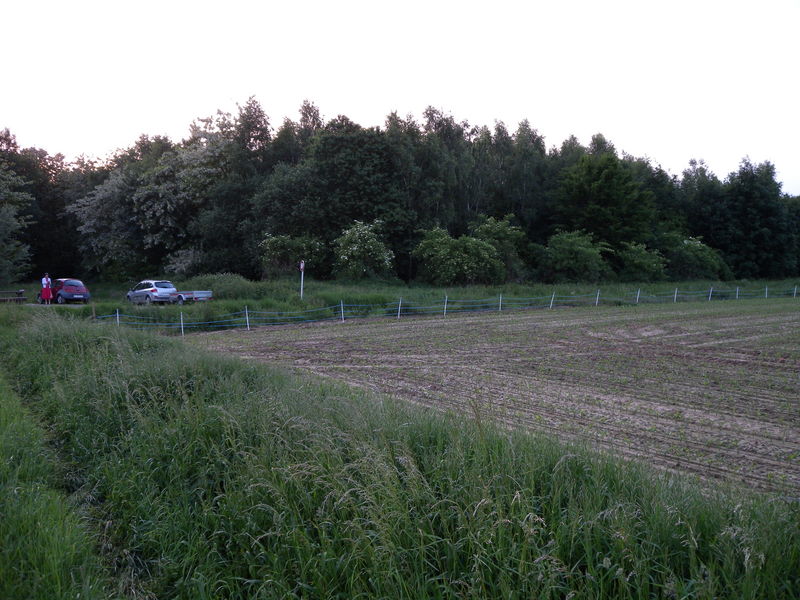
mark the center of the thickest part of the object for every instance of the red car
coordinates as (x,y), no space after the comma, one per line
(68,290)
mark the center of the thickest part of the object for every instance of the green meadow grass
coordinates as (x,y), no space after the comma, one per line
(208,477)
(232,293)
(47,551)
(284,292)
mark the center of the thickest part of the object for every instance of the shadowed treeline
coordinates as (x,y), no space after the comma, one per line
(447,200)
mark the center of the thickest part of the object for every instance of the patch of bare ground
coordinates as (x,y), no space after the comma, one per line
(711,389)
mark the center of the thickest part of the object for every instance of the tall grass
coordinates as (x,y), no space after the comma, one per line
(46,550)
(213,478)
(279,300)
(286,290)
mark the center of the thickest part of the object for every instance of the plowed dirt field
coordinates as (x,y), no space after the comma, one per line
(707,388)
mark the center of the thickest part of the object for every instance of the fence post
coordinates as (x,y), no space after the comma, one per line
(795,292)
(181,323)
(766,292)
(341,308)
(710,291)
(553,299)
(117,317)
(737,292)
(675,298)
(399,305)
(247,317)
(445,305)
(501,303)
(597,299)
(638,292)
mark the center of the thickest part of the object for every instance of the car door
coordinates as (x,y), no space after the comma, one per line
(136,293)
(144,291)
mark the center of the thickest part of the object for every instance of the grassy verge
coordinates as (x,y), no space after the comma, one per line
(215,478)
(283,293)
(278,301)
(46,551)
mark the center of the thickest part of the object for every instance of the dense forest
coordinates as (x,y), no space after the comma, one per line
(437,200)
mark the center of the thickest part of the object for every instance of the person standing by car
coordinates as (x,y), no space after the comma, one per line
(47,289)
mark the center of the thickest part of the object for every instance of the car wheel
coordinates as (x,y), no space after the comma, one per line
(180,300)
(60,299)
(147,299)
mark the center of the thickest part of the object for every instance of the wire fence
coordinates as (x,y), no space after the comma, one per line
(250,319)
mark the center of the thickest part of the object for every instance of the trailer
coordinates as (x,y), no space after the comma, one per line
(194,296)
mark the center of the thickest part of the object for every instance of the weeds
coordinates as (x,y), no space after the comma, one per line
(215,478)
(46,551)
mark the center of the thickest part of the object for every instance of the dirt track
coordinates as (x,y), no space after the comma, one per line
(712,389)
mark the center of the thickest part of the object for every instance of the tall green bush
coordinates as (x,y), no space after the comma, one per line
(360,253)
(574,256)
(637,263)
(509,241)
(280,254)
(465,260)
(690,258)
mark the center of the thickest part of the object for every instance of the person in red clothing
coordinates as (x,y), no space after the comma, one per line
(47,289)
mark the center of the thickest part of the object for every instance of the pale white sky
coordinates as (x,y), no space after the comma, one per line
(669,79)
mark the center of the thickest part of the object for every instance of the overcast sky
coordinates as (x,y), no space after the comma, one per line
(669,80)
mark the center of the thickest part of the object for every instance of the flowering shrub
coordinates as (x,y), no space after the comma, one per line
(360,253)
(509,241)
(445,260)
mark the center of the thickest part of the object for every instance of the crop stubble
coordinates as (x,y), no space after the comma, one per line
(711,389)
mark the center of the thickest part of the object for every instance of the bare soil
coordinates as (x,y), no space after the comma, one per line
(711,389)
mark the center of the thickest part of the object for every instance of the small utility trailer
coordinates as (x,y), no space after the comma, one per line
(196,296)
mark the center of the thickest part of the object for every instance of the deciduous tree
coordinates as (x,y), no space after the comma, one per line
(14,254)
(599,196)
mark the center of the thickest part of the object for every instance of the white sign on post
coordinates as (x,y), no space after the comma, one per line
(302,273)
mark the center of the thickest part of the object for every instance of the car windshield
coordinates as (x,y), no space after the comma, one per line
(164,284)
(74,282)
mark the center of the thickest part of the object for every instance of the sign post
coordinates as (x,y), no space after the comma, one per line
(302,273)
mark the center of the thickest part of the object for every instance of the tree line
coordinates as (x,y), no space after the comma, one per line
(435,200)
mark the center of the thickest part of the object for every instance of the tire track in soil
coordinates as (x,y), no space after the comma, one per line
(710,390)
(659,434)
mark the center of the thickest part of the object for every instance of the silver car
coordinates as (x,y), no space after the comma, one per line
(150,291)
